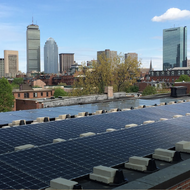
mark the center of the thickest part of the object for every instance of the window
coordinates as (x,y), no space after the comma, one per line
(35,95)
(172,72)
(18,95)
(182,72)
(178,72)
(26,95)
(47,94)
(41,93)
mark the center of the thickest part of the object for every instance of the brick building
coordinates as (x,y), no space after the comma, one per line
(28,98)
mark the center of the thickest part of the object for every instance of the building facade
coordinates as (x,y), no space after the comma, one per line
(65,61)
(132,56)
(2,67)
(50,56)
(108,54)
(33,48)
(10,63)
(174,47)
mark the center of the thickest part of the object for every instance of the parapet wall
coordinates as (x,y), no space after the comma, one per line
(80,100)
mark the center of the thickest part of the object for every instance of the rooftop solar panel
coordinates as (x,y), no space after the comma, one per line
(11,178)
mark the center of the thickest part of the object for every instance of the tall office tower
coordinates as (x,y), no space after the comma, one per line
(174,47)
(65,61)
(10,63)
(2,67)
(50,56)
(108,54)
(131,55)
(33,48)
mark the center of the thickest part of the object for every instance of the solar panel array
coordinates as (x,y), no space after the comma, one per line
(77,157)
(30,115)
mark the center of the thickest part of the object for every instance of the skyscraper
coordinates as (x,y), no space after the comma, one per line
(108,54)
(65,61)
(10,63)
(50,56)
(131,55)
(174,47)
(33,48)
(2,67)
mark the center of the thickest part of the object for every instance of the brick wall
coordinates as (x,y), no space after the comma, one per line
(39,83)
(142,85)
(182,185)
(27,104)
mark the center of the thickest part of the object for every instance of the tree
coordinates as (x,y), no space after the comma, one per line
(59,92)
(182,78)
(6,96)
(149,90)
(105,72)
(126,72)
(17,82)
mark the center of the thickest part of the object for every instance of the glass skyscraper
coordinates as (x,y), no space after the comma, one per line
(33,48)
(50,56)
(174,47)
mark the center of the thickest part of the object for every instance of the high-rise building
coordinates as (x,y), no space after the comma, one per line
(65,61)
(2,67)
(131,55)
(10,63)
(174,47)
(33,48)
(108,54)
(50,56)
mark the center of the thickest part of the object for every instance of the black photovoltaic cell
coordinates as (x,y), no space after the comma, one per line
(11,178)
(15,137)
(43,165)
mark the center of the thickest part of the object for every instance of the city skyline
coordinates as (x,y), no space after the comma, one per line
(131,26)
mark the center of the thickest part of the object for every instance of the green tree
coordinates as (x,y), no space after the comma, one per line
(105,72)
(182,78)
(126,72)
(59,92)
(6,96)
(149,90)
(17,82)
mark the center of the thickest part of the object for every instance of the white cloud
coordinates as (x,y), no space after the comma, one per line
(172,14)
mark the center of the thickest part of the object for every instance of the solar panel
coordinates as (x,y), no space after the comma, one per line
(11,178)
(42,165)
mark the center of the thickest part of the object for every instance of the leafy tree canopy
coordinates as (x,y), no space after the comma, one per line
(149,90)
(18,81)
(182,78)
(59,92)
(116,72)
(6,96)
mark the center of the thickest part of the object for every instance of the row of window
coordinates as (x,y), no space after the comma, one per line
(35,94)
(170,73)
(165,79)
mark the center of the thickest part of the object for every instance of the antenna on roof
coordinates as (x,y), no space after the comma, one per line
(32,19)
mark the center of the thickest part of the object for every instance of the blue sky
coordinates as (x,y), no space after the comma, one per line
(84,27)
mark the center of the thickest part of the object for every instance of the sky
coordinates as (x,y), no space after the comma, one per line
(84,27)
